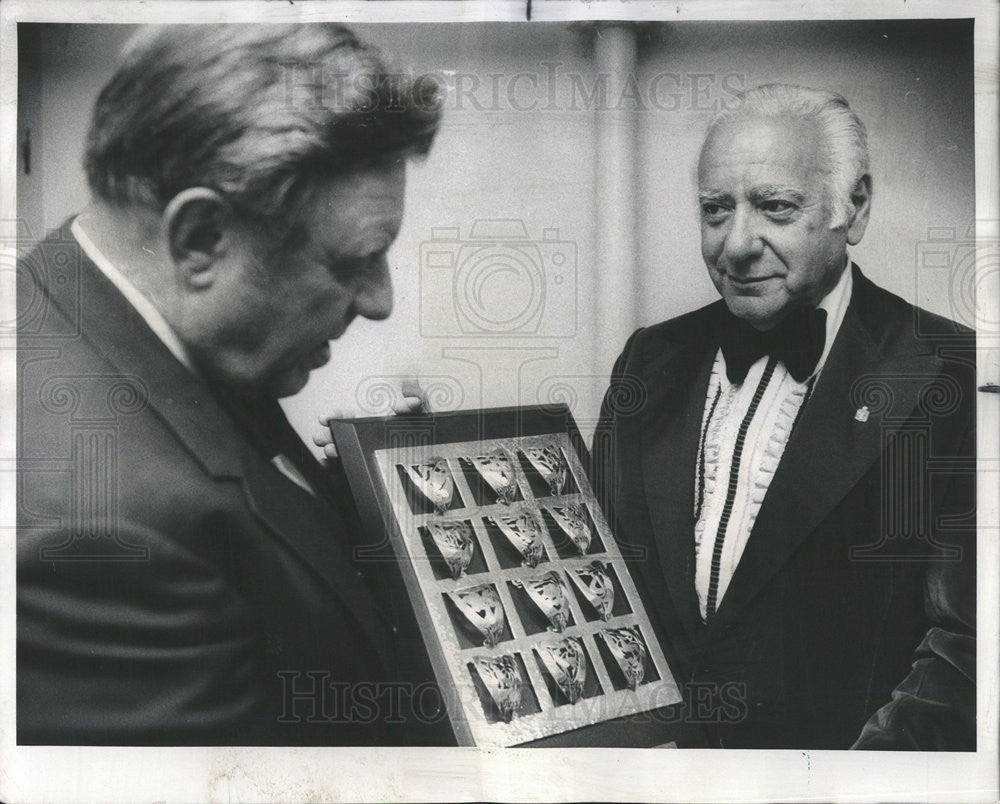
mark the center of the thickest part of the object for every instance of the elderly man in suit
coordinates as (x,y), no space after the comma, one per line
(768,459)
(185,571)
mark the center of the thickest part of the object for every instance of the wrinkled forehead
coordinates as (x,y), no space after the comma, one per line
(747,151)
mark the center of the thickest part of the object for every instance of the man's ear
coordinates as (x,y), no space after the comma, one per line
(861,205)
(195,224)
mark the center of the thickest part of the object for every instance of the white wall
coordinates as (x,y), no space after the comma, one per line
(540,167)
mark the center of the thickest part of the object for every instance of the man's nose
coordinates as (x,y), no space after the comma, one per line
(743,241)
(373,298)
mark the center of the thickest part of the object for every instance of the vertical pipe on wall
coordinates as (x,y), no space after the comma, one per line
(615,51)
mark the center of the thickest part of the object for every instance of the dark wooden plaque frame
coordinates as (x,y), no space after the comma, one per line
(371,449)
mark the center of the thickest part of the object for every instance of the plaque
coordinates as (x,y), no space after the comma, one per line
(573,521)
(548,593)
(502,681)
(530,619)
(454,542)
(524,531)
(566,663)
(433,479)
(595,585)
(481,606)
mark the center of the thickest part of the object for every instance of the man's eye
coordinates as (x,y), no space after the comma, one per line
(777,208)
(713,213)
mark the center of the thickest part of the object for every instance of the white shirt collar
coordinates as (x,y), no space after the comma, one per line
(835,303)
(143,306)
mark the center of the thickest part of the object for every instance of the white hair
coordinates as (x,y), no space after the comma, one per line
(844,134)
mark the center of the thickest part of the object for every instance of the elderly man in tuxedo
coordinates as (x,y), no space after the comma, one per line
(185,571)
(768,459)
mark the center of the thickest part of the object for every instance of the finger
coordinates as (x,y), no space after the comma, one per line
(322,437)
(410,388)
(408,404)
(337,413)
(330,450)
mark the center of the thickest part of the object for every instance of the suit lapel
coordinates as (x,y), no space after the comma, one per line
(676,372)
(830,449)
(185,404)
(292,514)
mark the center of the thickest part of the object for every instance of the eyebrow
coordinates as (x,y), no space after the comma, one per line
(712,195)
(764,192)
(768,191)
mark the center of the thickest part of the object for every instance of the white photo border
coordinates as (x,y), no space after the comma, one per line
(32,773)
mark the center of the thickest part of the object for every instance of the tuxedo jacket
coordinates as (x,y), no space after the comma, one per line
(173,587)
(849,620)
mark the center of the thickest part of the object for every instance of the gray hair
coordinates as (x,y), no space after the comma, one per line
(255,112)
(845,136)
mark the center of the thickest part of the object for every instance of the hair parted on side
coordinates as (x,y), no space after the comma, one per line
(844,133)
(255,112)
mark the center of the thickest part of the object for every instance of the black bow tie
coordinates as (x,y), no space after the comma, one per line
(797,342)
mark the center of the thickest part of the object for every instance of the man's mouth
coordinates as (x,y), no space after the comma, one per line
(748,281)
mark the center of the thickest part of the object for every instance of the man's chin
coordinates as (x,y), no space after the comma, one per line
(288,382)
(757,311)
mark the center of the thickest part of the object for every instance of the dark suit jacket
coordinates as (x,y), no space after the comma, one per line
(850,616)
(172,586)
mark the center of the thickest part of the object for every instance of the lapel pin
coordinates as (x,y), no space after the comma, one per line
(861,415)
